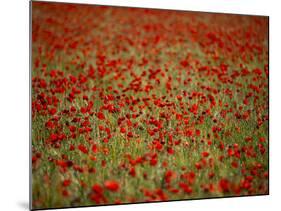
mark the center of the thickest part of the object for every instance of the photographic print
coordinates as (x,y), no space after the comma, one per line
(134,105)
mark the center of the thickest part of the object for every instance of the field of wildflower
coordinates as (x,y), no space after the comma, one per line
(140,105)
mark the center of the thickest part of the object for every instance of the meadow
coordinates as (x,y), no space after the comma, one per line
(138,105)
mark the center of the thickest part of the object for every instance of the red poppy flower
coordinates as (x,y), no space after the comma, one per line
(97,189)
(66,182)
(123,130)
(205,154)
(100,116)
(94,148)
(111,185)
(83,148)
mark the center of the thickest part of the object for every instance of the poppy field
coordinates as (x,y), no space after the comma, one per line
(137,105)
